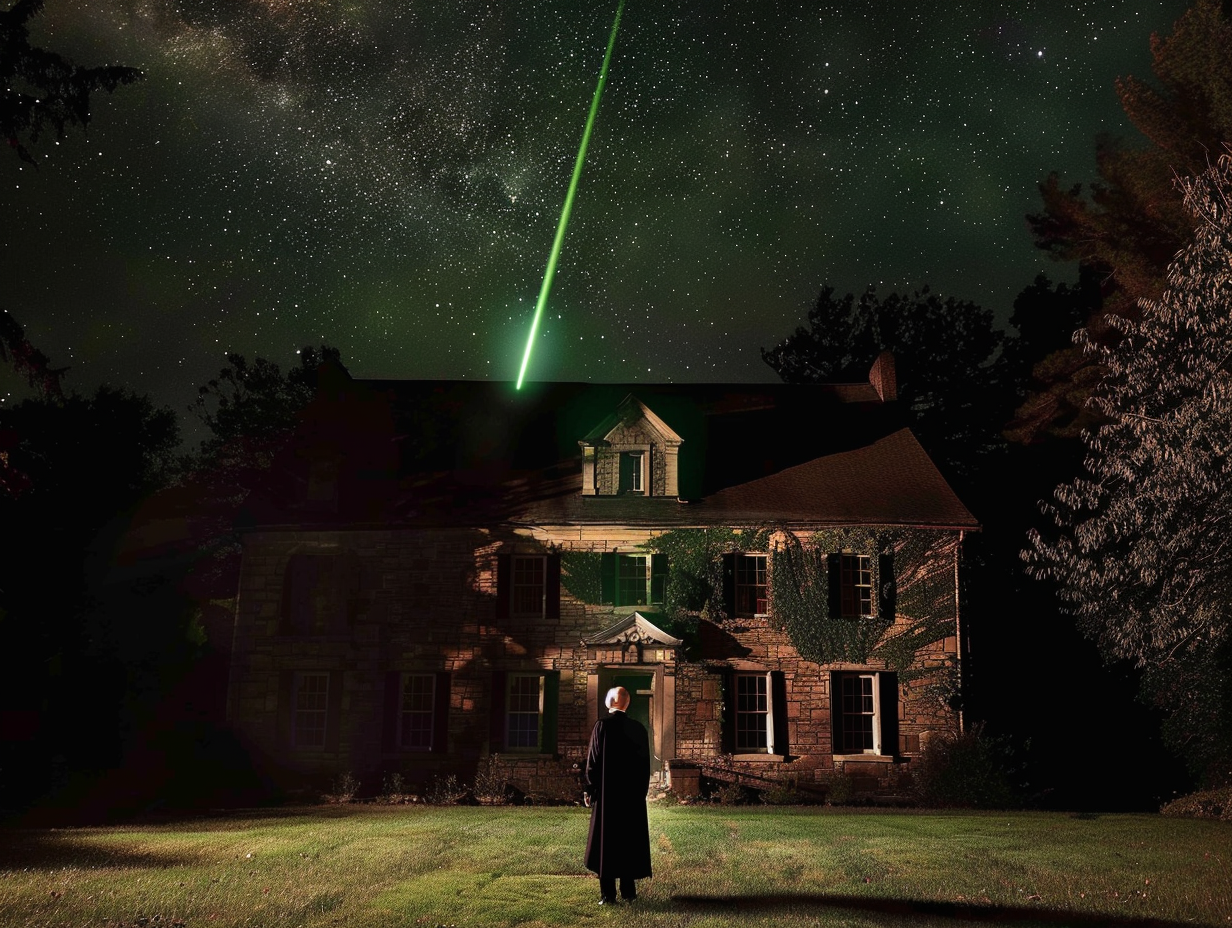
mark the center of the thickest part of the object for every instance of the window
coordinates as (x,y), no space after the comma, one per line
(856,585)
(418,711)
(524,709)
(755,712)
(632,472)
(751,584)
(633,579)
(311,709)
(752,712)
(528,585)
(865,712)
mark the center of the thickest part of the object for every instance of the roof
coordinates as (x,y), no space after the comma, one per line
(476,453)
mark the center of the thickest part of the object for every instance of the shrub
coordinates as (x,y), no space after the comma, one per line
(445,791)
(1207,803)
(840,788)
(782,791)
(491,787)
(970,770)
(394,791)
(344,788)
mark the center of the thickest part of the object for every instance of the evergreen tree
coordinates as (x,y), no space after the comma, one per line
(1141,554)
(42,90)
(1131,223)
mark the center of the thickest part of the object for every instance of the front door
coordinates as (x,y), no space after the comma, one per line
(641,705)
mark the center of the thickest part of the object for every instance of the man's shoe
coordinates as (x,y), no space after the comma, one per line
(607,900)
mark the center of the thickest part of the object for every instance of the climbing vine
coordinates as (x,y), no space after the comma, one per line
(912,579)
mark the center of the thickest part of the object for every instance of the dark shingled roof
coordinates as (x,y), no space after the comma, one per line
(479,453)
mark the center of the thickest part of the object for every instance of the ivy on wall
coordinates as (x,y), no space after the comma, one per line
(912,577)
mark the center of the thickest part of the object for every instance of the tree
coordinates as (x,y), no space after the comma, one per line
(1132,222)
(1141,553)
(41,89)
(946,353)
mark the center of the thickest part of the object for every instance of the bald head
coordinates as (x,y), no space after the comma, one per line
(617,699)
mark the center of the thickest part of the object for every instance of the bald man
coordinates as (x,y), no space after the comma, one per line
(617,778)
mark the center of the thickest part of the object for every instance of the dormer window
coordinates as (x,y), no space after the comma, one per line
(632,452)
(632,472)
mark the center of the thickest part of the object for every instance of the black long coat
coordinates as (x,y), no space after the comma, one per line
(617,778)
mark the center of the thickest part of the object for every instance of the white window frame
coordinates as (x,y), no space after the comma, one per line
(514,585)
(766,694)
(512,711)
(310,704)
(856,585)
(626,557)
(874,716)
(404,693)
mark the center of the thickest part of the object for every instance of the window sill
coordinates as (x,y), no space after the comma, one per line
(867,758)
(760,757)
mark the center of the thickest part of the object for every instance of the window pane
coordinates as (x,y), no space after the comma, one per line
(311,702)
(633,580)
(528,585)
(752,710)
(418,702)
(751,584)
(857,585)
(858,710)
(524,702)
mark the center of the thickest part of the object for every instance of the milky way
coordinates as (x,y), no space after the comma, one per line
(386,177)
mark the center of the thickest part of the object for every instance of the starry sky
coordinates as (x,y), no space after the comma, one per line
(386,176)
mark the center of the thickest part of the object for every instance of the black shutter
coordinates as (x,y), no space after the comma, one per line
(286,708)
(551,707)
(504,585)
(551,587)
(887,587)
(729,585)
(836,712)
(778,704)
(440,713)
(658,578)
(392,709)
(728,733)
(607,571)
(888,706)
(333,714)
(496,734)
(834,577)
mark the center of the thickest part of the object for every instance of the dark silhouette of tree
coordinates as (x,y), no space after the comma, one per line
(950,382)
(42,90)
(1141,553)
(1130,223)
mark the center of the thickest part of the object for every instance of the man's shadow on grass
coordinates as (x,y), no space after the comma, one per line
(923,909)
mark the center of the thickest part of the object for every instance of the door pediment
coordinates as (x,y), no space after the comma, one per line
(634,628)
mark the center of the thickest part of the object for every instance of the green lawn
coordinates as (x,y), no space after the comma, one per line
(363,866)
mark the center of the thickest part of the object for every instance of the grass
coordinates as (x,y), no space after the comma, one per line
(715,867)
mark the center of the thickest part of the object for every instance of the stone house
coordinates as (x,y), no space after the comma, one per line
(448,576)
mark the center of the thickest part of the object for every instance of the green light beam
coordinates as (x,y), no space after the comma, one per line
(550,271)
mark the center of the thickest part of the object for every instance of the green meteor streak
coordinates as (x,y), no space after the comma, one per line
(550,271)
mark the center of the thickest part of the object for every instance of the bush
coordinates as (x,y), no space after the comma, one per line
(1207,803)
(445,791)
(344,789)
(394,791)
(970,770)
(491,787)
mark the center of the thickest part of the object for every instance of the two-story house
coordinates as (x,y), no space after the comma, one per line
(452,574)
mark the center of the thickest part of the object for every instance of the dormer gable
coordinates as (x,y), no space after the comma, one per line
(631,452)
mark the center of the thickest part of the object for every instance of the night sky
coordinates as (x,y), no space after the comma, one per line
(386,176)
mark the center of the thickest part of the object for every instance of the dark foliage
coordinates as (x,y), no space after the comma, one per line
(41,90)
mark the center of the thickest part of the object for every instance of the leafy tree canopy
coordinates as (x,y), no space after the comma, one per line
(1131,222)
(1141,552)
(946,353)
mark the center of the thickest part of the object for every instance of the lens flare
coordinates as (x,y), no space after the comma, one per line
(550,271)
